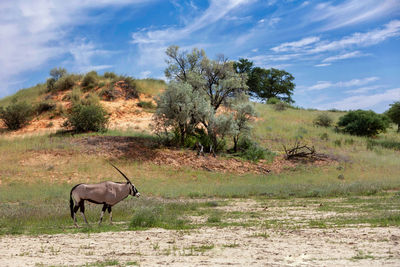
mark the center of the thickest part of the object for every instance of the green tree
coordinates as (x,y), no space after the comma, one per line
(243,66)
(363,123)
(244,114)
(181,108)
(268,83)
(217,78)
(198,87)
(57,73)
(394,114)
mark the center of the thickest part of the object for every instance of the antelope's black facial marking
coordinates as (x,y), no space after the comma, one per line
(134,191)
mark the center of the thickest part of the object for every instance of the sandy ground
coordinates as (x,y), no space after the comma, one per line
(210,247)
(360,245)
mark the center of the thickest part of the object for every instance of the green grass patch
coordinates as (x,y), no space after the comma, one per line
(388,144)
(168,215)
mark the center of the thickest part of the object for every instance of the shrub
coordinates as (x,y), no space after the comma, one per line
(65,82)
(87,116)
(44,107)
(323,120)
(110,75)
(16,115)
(363,123)
(250,150)
(90,80)
(273,101)
(50,84)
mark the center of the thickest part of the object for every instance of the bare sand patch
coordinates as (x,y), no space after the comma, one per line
(210,247)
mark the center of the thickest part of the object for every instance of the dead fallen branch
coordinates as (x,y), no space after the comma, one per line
(299,151)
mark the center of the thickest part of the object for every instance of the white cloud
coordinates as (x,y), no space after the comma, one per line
(217,10)
(83,53)
(144,74)
(357,82)
(311,48)
(364,101)
(297,45)
(352,83)
(351,12)
(273,21)
(34,32)
(263,59)
(364,89)
(313,44)
(323,65)
(151,44)
(343,56)
(320,85)
(373,37)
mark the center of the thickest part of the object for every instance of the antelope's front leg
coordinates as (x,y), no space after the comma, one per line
(110,211)
(102,213)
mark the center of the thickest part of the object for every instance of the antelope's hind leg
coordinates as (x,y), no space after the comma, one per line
(82,207)
(102,213)
(76,207)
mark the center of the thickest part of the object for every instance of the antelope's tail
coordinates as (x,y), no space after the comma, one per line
(71,205)
(71,201)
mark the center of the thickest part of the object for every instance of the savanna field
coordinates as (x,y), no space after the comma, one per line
(341,207)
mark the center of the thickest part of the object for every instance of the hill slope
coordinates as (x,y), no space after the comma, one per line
(126,113)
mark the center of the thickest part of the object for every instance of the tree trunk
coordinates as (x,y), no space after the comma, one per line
(235,141)
(182,137)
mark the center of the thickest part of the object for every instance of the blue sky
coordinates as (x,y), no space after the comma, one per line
(343,54)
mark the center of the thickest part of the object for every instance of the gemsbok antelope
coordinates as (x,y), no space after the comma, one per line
(106,193)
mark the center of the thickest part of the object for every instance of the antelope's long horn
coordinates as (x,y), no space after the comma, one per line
(120,172)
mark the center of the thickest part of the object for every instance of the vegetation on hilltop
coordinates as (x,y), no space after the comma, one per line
(57,98)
